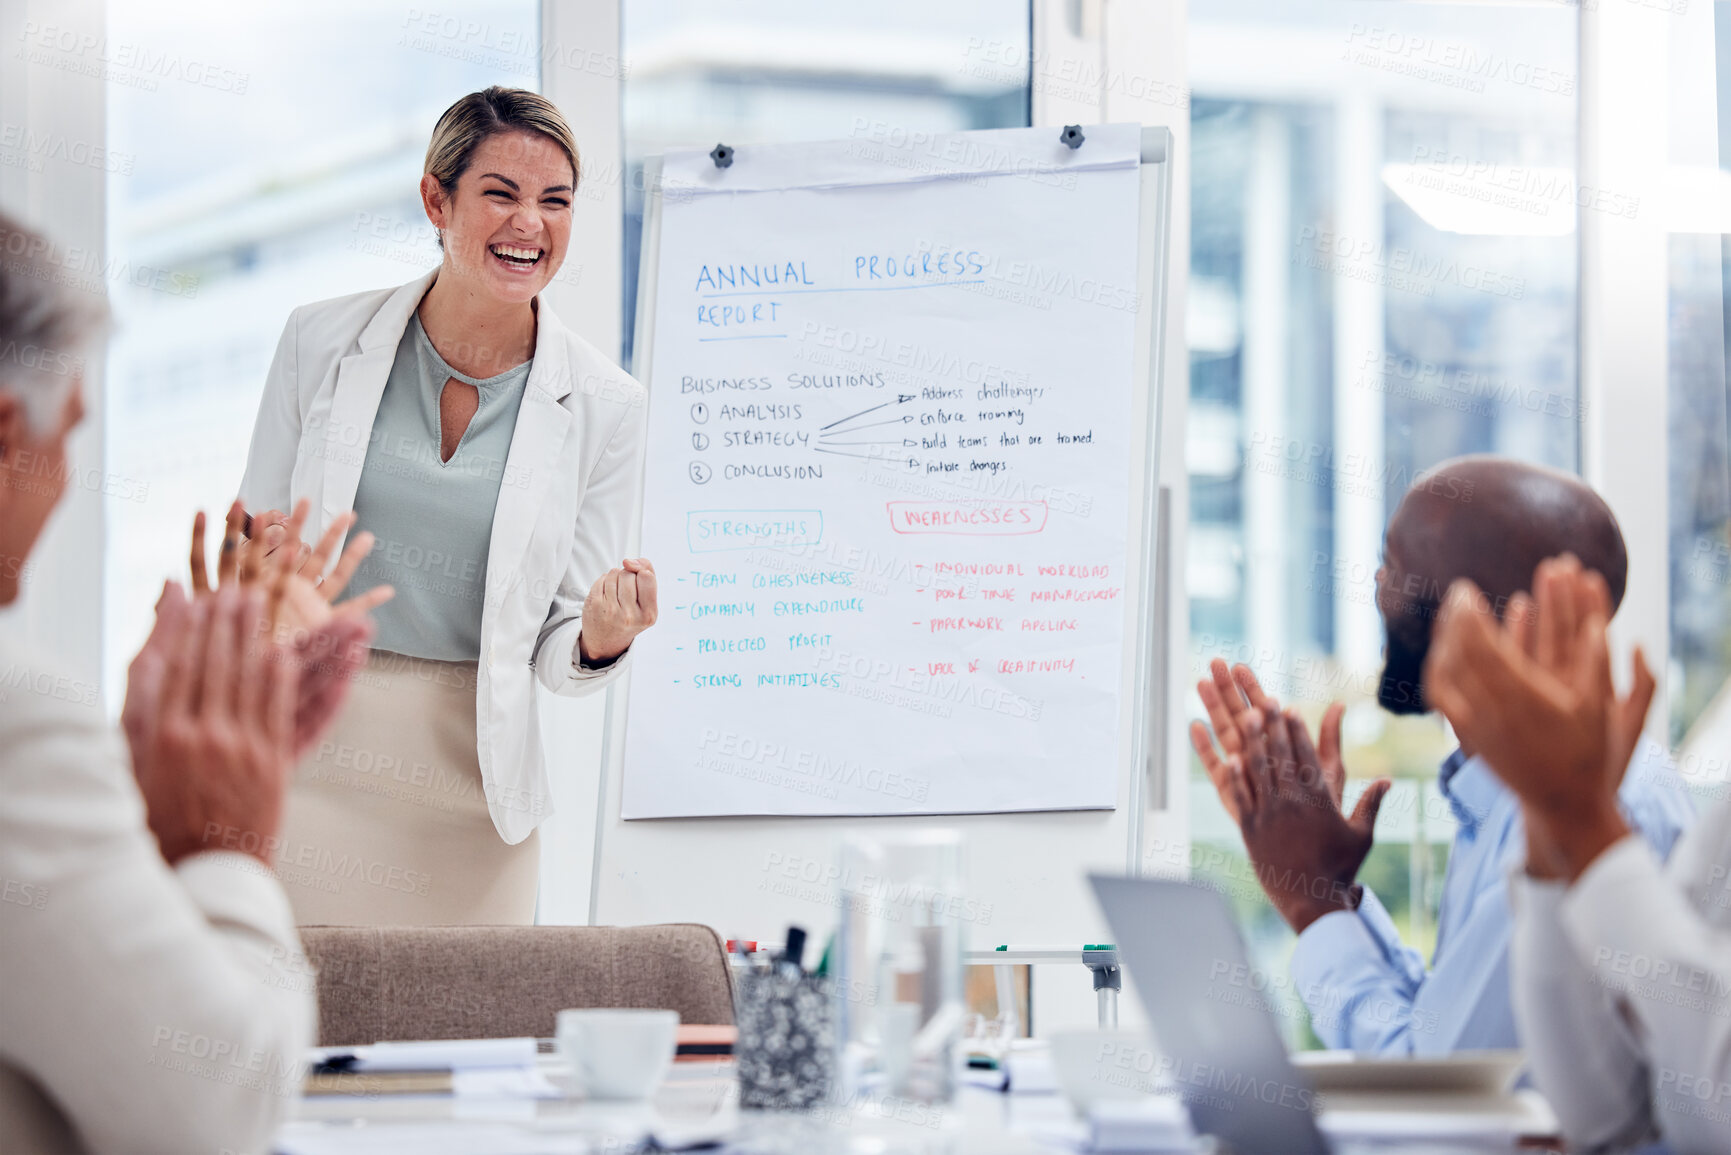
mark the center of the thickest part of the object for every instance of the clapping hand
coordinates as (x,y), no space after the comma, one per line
(1534,696)
(1231,698)
(1306,851)
(327,642)
(217,712)
(300,593)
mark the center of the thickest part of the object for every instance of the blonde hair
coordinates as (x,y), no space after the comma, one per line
(488,113)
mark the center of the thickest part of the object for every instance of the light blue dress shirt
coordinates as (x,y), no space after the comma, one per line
(1368,992)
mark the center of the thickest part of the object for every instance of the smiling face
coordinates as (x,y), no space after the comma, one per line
(507,224)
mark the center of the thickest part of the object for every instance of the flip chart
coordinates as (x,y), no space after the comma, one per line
(887,478)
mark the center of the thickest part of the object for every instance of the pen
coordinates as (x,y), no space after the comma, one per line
(792,953)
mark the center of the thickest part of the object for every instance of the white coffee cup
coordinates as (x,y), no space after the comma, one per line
(618,1053)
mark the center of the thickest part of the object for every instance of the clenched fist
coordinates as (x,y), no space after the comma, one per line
(621,605)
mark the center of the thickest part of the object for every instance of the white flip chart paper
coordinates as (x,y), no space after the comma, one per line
(887,478)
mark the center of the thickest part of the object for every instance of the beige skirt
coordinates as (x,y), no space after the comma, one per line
(386,823)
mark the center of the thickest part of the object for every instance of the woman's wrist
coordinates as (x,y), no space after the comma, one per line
(589,659)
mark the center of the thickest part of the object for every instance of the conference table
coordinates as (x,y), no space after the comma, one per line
(696,1105)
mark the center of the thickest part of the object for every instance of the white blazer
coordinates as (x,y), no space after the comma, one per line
(144,1008)
(562,518)
(1622,989)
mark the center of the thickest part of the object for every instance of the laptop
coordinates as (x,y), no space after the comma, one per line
(1218,1042)
(1218,1038)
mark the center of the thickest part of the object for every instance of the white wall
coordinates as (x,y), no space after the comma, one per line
(48,116)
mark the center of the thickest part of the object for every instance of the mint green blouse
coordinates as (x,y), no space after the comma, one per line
(433,519)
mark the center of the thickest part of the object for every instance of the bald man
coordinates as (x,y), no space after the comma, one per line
(1491,520)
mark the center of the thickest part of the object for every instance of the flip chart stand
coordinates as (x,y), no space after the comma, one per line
(715,869)
(1102,961)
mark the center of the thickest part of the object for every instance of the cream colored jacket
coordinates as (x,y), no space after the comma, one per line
(142,1008)
(562,520)
(1622,987)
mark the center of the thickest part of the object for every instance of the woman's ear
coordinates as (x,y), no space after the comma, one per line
(433,200)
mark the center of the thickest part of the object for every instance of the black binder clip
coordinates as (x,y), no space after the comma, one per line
(1072,135)
(723,156)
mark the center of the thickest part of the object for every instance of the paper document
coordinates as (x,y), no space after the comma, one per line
(503,1083)
(434,1055)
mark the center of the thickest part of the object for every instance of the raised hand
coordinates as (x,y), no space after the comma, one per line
(1306,852)
(1535,698)
(209,717)
(1230,697)
(301,593)
(320,666)
(621,604)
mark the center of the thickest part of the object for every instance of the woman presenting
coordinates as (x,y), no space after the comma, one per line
(494,455)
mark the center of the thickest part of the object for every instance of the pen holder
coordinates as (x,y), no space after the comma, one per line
(785,1055)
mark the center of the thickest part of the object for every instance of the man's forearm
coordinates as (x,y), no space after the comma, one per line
(1358,980)
(1303,907)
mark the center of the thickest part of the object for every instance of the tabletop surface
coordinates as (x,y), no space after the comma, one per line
(697,1102)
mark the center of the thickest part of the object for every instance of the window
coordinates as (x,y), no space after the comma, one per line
(268,155)
(1700,440)
(1383,275)
(776,70)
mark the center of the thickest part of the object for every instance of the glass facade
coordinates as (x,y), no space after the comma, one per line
(1383,275)
(1699,319)
(241,190)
